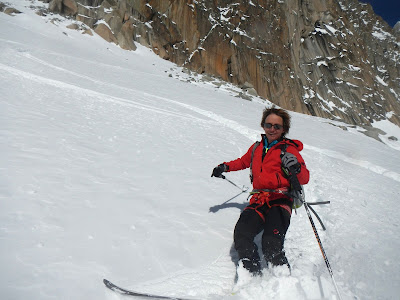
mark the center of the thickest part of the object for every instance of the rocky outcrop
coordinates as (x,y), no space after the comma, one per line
(65,7)
(329,58)
(105,32)
(113,25)
(8,9)
(396,29)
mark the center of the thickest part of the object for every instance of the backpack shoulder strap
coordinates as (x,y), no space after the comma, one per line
(283,148)
(251,160)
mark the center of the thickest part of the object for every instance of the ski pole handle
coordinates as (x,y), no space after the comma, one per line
(294,181)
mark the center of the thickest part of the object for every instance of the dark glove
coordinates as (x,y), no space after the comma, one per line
(217,172)
(289,162)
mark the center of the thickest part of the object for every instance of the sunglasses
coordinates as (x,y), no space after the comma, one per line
(276,126)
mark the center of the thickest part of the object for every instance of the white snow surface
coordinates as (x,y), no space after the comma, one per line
(105,173)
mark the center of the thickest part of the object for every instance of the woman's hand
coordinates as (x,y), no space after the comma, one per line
(218,170)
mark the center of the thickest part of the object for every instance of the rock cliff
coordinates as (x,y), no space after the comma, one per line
(330,58)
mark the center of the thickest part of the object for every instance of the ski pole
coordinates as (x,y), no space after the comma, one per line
(243,189)
(322,248)
(315,214)
(233,197)
(296,185)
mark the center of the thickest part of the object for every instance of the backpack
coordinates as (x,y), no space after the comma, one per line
(296,191)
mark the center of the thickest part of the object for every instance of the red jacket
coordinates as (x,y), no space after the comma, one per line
(267,172)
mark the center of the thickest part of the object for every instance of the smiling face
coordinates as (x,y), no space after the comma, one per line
(273,133)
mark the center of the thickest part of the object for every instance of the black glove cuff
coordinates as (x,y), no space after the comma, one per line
(296,168)
(223,167)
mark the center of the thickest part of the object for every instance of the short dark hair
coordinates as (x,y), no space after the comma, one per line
(281,113)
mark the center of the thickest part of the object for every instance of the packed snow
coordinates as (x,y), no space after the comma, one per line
(107,156)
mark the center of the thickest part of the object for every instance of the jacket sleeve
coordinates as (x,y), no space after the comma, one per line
(240,163)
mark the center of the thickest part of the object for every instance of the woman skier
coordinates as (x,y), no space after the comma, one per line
(270,206)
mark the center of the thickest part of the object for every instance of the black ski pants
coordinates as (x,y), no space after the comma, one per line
(275,225)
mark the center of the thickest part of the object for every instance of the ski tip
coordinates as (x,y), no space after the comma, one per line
(106,282)
(109,284)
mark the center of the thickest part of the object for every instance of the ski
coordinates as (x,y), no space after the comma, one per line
(126,292)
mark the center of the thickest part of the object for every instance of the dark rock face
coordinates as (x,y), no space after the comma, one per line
(329,58)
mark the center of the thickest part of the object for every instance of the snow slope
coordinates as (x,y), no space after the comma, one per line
(106,163)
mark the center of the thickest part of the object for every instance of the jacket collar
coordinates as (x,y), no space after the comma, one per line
(265,141)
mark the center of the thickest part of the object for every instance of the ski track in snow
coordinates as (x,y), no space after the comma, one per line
(247,132)
(363,164)
(94,94)
(23,51)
